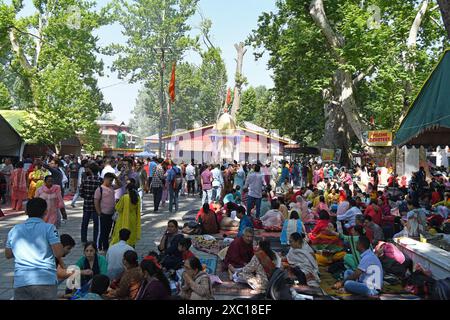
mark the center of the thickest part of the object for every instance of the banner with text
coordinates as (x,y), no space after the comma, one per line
(380,138)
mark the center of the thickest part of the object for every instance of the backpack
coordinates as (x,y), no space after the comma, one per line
(178,180)
(278,288)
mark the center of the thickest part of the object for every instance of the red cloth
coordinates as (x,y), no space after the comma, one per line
(200,212)
(435,197)
(239,253)
(294,197)
(187,255)
(320,226)
(369,234)
(375,214)
(342,196)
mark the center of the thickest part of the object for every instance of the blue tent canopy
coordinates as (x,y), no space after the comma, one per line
(145,154)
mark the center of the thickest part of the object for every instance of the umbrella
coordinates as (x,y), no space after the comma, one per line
(145,154)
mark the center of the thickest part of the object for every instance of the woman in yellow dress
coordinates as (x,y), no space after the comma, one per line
(36,179)
(129,216)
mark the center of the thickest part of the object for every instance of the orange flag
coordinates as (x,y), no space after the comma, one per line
(172,85)
(228,97)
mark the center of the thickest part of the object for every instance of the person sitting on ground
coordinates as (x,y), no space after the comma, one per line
(183,246)
(283,207)
(91,263)
(416,221)
(208,220)
(374,230)
(196,283)
(228,222)
(302,261)
(352,260)
(273,217)
(265,204)
(229,195)
(374,211)
(392,259)
(68,244)
(238,195)
(289,194)
(260,268)
(99,287)
(302,208)
(350,215)
(294,224)
(130,280)
(285,186)
(155,285)
(322,205)
(367,279)
(245,220)
(321,225)
(240,251)
(115,253)
(175,261)
(169,241)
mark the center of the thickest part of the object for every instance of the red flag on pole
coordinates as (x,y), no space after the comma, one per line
(172,85)
(228,97)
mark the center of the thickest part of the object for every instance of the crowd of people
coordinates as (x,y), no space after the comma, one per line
(326,216)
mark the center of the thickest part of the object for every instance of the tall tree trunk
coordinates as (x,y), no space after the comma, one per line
(444,5)
(337,133)
(240,48)
(343,80)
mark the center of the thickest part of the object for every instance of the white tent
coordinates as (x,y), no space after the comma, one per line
(11,143)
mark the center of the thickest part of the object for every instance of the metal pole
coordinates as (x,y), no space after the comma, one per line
(161,110)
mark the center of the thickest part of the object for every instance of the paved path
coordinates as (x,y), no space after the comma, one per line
(153,226)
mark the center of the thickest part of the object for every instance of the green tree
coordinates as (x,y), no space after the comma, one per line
(52,56)
(256,107)
(336,65)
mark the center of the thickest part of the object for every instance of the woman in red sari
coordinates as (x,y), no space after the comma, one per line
(18,187)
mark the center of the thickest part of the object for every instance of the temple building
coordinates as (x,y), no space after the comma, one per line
(225,140)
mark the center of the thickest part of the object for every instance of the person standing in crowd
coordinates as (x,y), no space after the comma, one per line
(87,191)
(239,177)
(217,183)
(143,181)
(175,181)
(36,178)
(108,168)
(7,172)
(104,201)
(190,177)
(158,181)
(114,255)
(206,183)
(254,183)
(59,178)
(34,245)
(129,217)
(81,176)
(51,193)
(151,170)
(74,168)
(18,187)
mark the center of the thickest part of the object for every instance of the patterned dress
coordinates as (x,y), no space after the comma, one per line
(54,201)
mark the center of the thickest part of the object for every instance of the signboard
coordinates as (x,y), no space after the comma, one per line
(337,155)
(327,154)
(380,138)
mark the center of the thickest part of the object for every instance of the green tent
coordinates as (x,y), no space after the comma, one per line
(427,122)
(11,143)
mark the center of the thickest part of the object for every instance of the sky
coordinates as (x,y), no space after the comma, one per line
(232,22)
